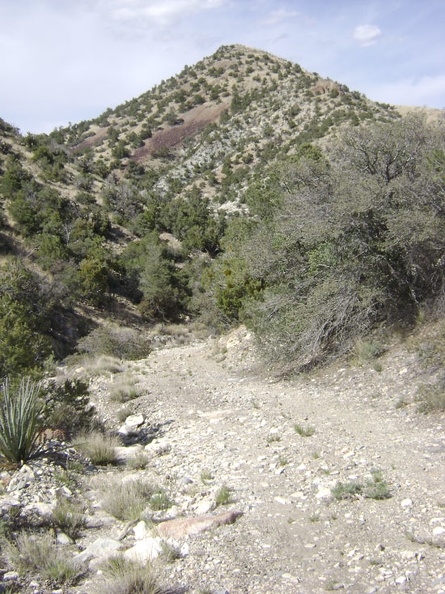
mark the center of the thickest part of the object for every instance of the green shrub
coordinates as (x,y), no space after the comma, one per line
(304,431)
(25,314)
(431,398)
(20,420)
(347,490)
(223,496)
(68,407)
(123,343)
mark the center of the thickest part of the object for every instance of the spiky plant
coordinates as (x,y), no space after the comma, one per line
(20,423)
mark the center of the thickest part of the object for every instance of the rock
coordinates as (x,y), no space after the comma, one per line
(134,421)
(141,530)
(63,539)
(10,576)
(42,510)
(21,479)
(323,493)
(124,454)
(145,550)
(102,548)
(438,531)
(158,446)
(205,506)
(406,503)
(181,527)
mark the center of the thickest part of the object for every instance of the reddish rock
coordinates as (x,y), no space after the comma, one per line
(181,527)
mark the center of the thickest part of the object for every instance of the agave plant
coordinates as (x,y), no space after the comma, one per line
(20,412)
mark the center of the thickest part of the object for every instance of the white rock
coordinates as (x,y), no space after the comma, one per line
(145,550)
(141,531)
(323,493)
(43,510)
(10,576)
(406,503)
(205,506)
(126,453)
(282,500)
(102,547)
(63,539)
(134,421)
(438,531)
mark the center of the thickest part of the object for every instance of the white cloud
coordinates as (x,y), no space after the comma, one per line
(366,35)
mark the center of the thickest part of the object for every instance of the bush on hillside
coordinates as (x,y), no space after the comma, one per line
(356,243)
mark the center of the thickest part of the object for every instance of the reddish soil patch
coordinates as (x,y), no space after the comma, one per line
(194,122)
(93,140)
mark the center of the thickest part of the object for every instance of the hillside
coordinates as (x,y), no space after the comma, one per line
(230,292)
(157,210)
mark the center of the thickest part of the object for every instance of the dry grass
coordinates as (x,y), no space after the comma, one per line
(126,500)
(94,365)
(124,388)
(100,448)
(69,518)
(130,577)
(37,554)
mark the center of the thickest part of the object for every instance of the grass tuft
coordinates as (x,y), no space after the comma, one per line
(126,500)
(31,554)
(100,448)
(223,496)
(69,518)
(130,577)
(304,431)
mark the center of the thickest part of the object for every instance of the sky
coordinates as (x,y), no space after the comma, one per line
(66,61)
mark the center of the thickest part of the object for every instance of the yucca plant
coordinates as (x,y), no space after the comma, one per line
(20,421)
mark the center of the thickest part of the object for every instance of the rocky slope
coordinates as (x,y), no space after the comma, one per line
(325,482)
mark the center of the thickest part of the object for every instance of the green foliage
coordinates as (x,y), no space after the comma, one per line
(69,518)
(347,490)
(20,420)
(354,243)
(68,408)
(375,488)
(127,500)
(24,321)
(159,282)
(120,342)
(304,431)
(14,178)
(223,496)
(94,277)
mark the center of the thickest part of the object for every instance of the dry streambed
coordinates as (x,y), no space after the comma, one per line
(263,486)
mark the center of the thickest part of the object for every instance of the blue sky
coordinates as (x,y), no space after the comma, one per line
(68,60)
